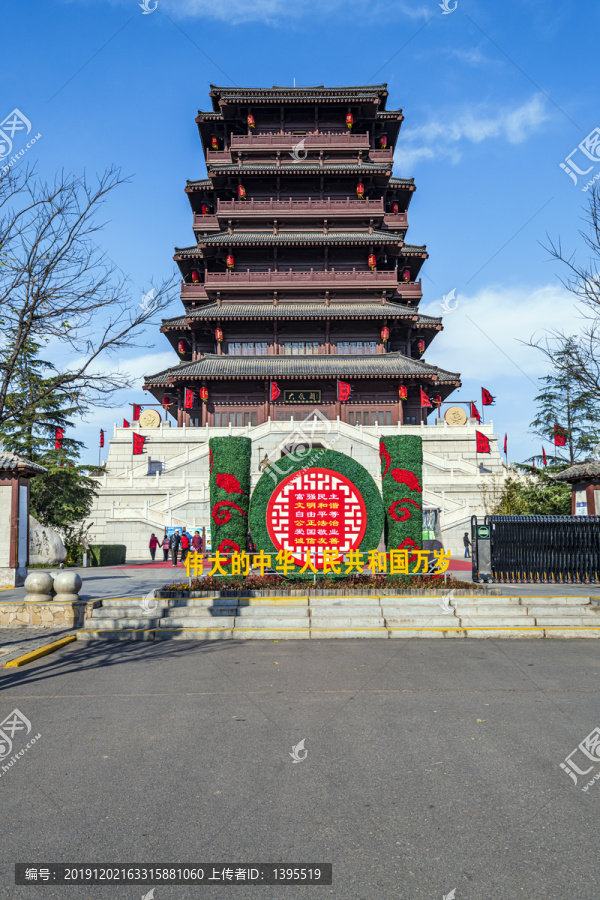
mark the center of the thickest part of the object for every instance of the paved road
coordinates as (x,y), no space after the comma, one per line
(432,765)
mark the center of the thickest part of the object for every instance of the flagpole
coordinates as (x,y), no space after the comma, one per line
(482,409)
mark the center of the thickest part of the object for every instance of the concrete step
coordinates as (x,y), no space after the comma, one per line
(342,631)
(194,634)
(479,621)
(271,601)
(573,600)
(253,612)
(341,602)
(125,635)
(125,612)
(347,621)
(179,612)
(197,622)
(272,622)
(120,624)
(203,602)
(422,621)
(346,611)
(464,609)
(588,621)
(562,610)
(427,631)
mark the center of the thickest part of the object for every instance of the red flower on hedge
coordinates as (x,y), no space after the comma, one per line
(222,516)
(407,544)
(405,476)
(229,483)
(211,461)
(406,513)
(383,454)
(228,547)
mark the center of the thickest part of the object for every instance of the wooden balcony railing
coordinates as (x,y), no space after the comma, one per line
(311,278)
(275,141)
(309,206)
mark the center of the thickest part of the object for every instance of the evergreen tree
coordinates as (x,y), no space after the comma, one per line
(65,494)
(566,404)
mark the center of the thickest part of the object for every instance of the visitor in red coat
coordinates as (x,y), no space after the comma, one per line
(154,542)
(185,545)
(197,542)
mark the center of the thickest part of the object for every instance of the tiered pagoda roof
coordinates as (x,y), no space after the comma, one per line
(299,225)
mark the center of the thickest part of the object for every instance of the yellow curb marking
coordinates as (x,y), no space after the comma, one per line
(41,651)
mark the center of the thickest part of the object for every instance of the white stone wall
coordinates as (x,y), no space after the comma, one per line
(132,504)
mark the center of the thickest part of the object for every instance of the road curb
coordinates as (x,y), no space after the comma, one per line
(41,651)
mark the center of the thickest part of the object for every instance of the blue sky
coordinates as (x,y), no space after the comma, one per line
(495,96)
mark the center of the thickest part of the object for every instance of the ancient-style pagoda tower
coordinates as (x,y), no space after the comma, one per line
(300,281)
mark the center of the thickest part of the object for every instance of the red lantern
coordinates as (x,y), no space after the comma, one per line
(385,333)
(437,401)
(218,335)
(204,209)
(372,261)
(195,276)
(403,392)
(349,120)
(360,191)
(166,401)
(214,143)
(241,192)
(421,345)
(204,394)
(230,261)
(251,122)
(383,141)
(395,208)
(182,347)
(405,274)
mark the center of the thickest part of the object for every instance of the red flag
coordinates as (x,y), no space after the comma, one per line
(125,423)
(505,443)
(560,436)
(274,392)
(534,464)
(486,398)
(138,444)
(544,460)
(483,444)
(58,438)
(101,438)
(475,413)
(425,401)
(343,391)
(188,403)
(136,412)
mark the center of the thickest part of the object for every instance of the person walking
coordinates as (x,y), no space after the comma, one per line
(185,545)
(467,544)
(165,547)
(154,542)
(174,545)
(197,542)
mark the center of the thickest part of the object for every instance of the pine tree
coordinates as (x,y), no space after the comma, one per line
(564,403)
(32,432)
(65,494)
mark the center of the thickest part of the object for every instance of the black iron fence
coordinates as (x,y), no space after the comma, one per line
(538,548)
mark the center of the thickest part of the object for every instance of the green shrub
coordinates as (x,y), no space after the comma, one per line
(402,483)
(107,554)
(229,492)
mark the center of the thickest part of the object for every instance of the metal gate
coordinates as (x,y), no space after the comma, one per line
(540,548)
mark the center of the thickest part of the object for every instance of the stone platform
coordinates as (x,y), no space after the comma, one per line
(302,618)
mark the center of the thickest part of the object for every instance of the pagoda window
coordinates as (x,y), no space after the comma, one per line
(248,348)
(370,417)
(301,348)
(358,348)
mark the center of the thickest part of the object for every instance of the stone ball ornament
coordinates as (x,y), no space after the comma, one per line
(39,586)
(67,585)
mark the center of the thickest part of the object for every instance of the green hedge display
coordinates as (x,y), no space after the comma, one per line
(107,554)
(402,483)
(321,459)
(229,462)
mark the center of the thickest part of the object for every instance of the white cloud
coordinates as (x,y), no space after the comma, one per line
(442,138)
(483,337)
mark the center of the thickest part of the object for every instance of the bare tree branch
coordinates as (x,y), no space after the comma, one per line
(56,284)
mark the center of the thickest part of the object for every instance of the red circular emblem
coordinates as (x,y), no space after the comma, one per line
(313,509)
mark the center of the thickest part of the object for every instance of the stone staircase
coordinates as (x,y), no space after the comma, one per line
(284,618)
